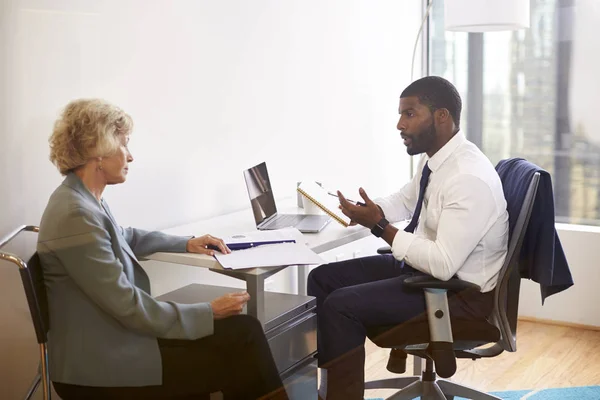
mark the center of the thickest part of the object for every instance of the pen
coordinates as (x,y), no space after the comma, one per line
(248,245)
(358,203)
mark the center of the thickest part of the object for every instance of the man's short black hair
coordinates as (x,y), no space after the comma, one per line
(436,92)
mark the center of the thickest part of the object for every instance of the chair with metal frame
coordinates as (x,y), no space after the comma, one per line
(35,292)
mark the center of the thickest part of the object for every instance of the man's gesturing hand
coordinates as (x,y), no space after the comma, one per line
(367,215)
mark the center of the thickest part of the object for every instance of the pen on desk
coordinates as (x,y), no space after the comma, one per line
(358,203)
(249,245)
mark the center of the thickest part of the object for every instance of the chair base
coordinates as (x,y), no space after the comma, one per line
(33,387)
(427,387)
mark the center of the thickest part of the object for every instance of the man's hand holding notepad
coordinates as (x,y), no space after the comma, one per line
(342,209)
(327,202)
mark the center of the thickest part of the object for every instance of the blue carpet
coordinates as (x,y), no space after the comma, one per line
(574,393)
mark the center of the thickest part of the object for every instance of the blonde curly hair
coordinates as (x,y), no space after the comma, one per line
(87,128)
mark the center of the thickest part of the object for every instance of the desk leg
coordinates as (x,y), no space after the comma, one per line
(302,275)
(256,289)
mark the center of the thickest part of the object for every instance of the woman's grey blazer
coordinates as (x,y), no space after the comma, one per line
(104,323)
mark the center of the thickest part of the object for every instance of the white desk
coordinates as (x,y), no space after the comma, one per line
(334,235)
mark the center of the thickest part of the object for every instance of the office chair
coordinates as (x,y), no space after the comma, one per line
(35,292)
(440,339)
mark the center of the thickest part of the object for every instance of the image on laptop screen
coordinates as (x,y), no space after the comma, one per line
(259,190)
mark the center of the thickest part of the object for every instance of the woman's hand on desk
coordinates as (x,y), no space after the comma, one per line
(228,305)
(200,245)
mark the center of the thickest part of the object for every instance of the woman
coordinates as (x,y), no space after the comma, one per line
(108,337)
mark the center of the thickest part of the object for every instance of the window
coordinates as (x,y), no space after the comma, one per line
(532,94)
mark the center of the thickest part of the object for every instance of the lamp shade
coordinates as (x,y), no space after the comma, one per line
(486,15)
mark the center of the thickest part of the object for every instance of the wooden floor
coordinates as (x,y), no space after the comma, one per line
(547,356)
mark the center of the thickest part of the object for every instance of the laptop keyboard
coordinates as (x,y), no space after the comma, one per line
(284,221)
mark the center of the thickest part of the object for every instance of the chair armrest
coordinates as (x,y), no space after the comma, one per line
(438,314)
(429,282)
(384,250)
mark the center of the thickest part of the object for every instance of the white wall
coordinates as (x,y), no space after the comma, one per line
(214,87)
(579,303)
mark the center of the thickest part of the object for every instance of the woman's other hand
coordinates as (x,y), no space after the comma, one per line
(206,245)
(228,305)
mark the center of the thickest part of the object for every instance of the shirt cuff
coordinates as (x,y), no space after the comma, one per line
(401,243)
(182,246)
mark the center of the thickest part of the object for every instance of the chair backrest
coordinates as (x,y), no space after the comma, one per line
(33,284)
(506,295)
(38,295)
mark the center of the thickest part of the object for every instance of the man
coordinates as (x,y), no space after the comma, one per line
(457,199)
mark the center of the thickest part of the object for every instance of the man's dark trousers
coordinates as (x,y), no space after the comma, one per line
(357,294)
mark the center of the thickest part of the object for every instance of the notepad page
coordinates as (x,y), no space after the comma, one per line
(319,196)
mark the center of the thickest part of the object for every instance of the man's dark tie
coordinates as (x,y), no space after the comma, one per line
(422,186)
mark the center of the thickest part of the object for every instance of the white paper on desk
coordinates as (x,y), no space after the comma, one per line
(270,255)
(266,236)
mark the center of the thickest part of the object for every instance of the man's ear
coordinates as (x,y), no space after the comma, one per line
(442,115)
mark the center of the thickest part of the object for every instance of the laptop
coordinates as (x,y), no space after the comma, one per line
(265,211)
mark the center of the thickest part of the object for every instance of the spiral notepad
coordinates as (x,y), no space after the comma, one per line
(329,204)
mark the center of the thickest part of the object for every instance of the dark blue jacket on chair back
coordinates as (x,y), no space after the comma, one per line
(542,257)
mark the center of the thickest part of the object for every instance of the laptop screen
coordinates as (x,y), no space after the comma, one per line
(260,193)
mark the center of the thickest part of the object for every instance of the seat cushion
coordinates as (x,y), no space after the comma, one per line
(467,334)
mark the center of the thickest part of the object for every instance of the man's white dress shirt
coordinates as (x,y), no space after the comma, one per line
(463,226)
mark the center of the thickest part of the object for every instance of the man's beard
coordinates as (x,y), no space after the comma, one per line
(422,142)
